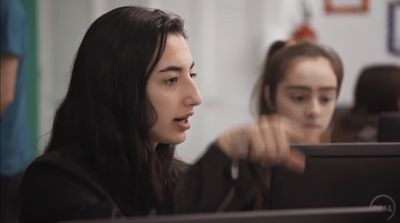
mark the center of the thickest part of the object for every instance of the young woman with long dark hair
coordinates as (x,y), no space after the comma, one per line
(111,151)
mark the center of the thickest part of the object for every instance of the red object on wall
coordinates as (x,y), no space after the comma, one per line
(304,33)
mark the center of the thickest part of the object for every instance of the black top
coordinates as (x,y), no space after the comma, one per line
(57,187)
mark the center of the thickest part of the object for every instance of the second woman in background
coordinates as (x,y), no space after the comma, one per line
(301,82)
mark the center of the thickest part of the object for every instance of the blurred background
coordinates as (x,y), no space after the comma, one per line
(228,39)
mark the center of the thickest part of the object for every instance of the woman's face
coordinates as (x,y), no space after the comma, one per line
(307,96)
(173,92)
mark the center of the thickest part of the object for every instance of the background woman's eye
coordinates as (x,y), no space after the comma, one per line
(193,75)
(171,81)
(299,98)
(325,99)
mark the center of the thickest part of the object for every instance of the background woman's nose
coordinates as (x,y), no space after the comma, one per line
(313,108)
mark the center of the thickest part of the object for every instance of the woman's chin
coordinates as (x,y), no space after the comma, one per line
(312,137)
(175,140)
(315,139)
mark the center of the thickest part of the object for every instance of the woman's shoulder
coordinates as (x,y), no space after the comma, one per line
(56,187)
(49,161)
(55,165)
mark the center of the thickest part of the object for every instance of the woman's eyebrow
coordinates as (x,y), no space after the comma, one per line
(171,68)
(174,68)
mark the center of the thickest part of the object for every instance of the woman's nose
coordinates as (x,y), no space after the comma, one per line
(193,96)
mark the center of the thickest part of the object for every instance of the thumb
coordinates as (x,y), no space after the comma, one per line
(295,161)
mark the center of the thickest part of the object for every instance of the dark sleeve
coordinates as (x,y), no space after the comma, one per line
(50,194)
(211,185)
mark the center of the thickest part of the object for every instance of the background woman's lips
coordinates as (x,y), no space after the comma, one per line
(313,126)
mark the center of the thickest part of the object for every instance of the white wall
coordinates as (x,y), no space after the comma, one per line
(61,27)
(228,39)
(359,39)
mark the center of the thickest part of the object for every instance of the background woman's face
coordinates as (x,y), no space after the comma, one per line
(173,92)
(307,96)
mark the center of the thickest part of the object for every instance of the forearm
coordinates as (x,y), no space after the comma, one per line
(217,183)
(8,73)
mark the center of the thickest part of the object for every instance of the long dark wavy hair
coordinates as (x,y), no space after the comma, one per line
(106,116)
(276,67)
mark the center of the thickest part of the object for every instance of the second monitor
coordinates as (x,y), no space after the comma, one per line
(341,175)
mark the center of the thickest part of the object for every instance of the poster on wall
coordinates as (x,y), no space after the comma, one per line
(346,6)
(394,28)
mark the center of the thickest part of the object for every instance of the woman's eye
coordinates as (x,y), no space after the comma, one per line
(193,75)
(171,81)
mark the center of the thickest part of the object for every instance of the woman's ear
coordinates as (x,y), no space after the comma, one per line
(267,98)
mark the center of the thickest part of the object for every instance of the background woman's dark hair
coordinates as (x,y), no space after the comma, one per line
(278,65)
(106,116)
(377,89)
(275,47)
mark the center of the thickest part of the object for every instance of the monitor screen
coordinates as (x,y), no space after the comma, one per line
(341,175)
(389,127)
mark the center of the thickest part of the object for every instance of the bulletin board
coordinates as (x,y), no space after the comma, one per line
(346,6)
(394,27)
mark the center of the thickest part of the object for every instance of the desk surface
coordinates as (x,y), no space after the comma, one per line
(374,214)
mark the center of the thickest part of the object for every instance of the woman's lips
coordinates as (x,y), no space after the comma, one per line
(183,121)
(182,124)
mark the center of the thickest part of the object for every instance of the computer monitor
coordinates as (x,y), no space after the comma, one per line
(341,175)
(389,127)
(317,215)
